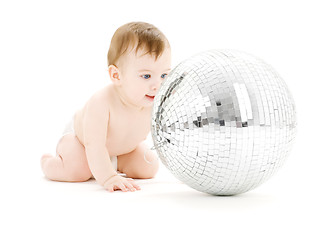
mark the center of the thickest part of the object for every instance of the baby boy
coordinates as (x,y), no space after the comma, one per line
(106,136)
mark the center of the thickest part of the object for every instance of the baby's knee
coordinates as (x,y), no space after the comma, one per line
(153,168)
(147,170)
(151,164)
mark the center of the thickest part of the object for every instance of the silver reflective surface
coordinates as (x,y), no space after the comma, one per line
(223,122)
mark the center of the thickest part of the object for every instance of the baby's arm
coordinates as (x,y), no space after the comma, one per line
(95,135)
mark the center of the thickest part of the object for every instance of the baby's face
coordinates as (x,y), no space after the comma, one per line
(142,75)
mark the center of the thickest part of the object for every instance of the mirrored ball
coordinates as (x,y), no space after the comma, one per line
(223,122)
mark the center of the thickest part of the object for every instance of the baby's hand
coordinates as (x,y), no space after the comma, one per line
(120,183)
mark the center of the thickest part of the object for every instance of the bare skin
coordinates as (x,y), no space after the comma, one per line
(114,122)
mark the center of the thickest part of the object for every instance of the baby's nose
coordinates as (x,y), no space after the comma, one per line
(154,88)
(156,85)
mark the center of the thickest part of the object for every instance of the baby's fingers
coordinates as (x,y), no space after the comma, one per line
(122,187)
(134,185)
(137,187)
(110,188)
(127,186)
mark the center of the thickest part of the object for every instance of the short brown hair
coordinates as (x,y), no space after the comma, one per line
(140,34)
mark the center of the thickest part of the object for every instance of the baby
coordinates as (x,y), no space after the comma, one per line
(106,136)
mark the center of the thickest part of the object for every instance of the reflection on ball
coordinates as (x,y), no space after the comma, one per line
(223,122)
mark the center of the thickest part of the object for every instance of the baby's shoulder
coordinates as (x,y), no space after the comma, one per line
(102,96)
(100,100)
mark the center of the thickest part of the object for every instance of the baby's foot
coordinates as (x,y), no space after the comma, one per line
(44,159)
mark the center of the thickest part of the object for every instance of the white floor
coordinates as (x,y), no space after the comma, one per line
(291,205)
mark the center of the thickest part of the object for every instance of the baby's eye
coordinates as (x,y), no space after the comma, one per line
(146,76)
(164,75)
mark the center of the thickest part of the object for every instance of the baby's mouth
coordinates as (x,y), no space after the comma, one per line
(150,97)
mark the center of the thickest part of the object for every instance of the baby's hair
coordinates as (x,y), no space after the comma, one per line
(140,35)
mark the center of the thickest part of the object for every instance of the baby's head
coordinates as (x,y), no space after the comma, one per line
(139,59)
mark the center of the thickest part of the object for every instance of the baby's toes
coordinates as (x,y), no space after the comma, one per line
(44,159)
(46,156)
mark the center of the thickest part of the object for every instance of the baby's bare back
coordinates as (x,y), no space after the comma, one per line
(126,127)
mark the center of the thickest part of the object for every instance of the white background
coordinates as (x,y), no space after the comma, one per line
(53,57)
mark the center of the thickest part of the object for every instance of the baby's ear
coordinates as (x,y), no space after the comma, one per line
(114,74)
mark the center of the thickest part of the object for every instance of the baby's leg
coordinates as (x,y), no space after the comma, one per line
(134,165)
(70,164)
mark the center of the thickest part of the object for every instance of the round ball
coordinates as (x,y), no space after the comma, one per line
(223,122)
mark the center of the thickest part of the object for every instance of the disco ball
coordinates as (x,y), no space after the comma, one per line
(223,122)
